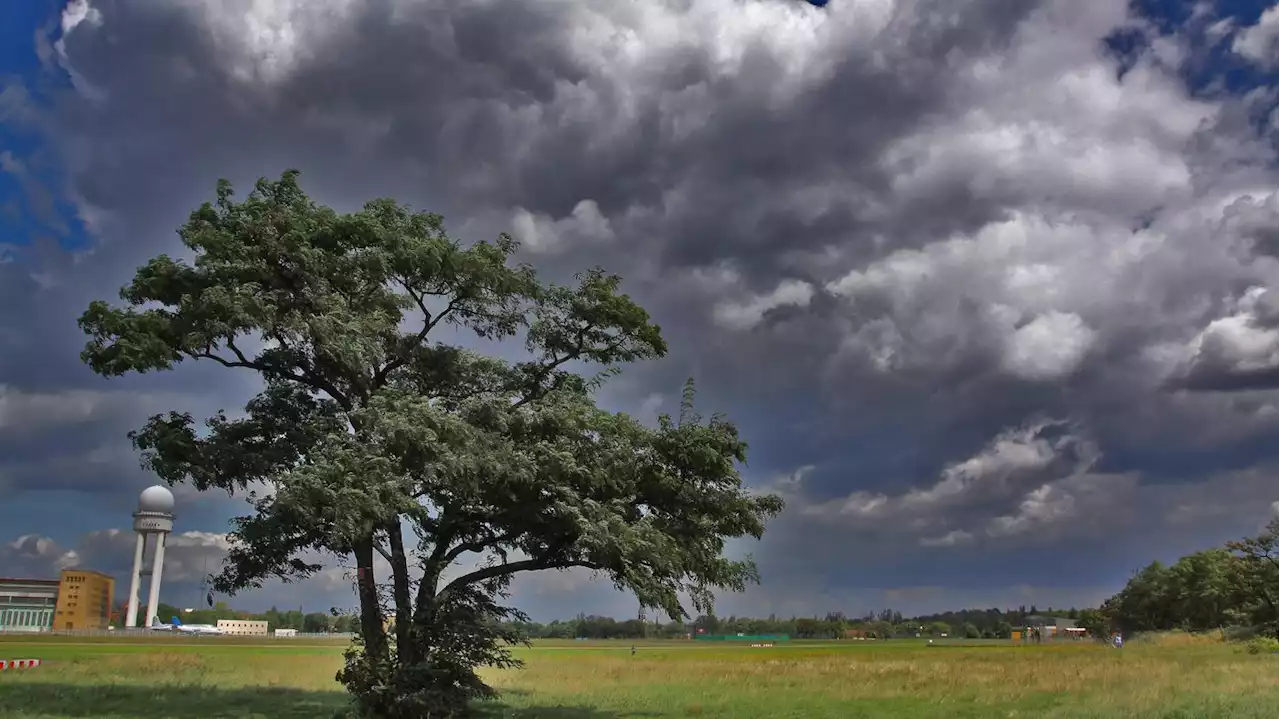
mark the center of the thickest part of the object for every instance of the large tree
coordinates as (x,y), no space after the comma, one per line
(376,436)
(1231,586)
(1257,573)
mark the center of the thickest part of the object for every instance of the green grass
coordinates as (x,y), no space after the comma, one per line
(206,677)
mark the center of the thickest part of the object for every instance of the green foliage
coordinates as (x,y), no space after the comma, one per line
(368,426)
(467,629)
(831,627)
(1258,580)
(1234,585)
(1095,622)
(1263,645)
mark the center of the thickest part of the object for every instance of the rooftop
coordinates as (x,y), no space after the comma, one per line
(38,582)
(82,570)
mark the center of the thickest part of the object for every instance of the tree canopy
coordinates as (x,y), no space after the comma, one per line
(377,434)
(1230,586)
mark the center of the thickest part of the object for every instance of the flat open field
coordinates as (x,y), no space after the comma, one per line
(200,678)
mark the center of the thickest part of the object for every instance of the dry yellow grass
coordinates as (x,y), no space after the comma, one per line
(603,681)
(1071,680)
(1180,639)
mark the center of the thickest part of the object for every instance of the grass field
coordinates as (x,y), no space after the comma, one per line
(222,677)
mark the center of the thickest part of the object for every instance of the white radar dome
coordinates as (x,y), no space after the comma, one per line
(156,499)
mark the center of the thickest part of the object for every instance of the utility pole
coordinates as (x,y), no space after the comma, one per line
(204,584)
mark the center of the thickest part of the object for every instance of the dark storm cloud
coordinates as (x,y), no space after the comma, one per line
(61,427)
(446,93)
(1205,377)
(881,235)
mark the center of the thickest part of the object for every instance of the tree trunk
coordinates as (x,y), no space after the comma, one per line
(400,588)
(423,606)
(375,638)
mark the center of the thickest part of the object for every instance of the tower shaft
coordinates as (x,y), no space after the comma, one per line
(157,568)
(135,577)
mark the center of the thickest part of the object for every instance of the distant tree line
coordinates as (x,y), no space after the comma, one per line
(888,623)
(309,622)
(1233,587)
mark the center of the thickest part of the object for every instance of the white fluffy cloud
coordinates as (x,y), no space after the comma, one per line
(1242,345)
(751,311)
(1258,42)
(1048,347)
(1033,471)
(541,234)
(33,556)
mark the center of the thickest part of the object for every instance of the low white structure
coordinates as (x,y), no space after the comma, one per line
(243,627)
(286,632)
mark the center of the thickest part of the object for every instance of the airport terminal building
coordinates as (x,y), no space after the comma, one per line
(79,599)
(243,627)
(27,605)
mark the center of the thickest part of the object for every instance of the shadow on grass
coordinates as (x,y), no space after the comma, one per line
(139,701)
(499,710)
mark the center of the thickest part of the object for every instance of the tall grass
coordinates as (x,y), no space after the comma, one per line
(1178,638)
(602,680)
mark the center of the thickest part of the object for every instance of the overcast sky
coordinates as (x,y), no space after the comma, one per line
(989,286)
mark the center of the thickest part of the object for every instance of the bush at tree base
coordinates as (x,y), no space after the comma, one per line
(434,677)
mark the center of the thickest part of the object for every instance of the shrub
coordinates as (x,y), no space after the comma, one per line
(1262,645)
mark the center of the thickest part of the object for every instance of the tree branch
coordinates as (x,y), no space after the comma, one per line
(551,366)
(442,537)
(257,367)
(313,374)
(231,345)
(307,378)
(429,323)
(555,362)
(499,570)
(479,546)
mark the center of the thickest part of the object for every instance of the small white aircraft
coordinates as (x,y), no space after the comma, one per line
(176,625)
